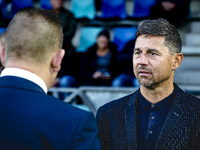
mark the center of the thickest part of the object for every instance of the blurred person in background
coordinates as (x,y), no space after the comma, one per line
(175,11)
(6,13)
(68,21)
(67,76)
(98,65)
(124,59)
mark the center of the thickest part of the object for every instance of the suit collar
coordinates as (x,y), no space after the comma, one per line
(164,105)
(179,98)
(174,115)
(131,120)
(133,98)
(18,72)
(19,83)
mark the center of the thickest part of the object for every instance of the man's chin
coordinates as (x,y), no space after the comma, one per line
(145,83)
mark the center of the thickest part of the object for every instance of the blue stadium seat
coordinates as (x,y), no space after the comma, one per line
(2,30)
(45,4)
(142,8)
(88,37)
(83,9)
(121,35)
(17,5)
(113,8)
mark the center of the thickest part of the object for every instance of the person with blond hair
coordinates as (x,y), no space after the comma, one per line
(31,119)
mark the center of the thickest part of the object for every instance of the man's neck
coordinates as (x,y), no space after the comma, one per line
(157,94)
(32,67)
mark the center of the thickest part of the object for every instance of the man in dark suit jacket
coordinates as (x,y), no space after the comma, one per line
(30,119)
(159,115)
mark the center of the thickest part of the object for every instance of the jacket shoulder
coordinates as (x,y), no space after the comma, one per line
(65,107)
(190,102)
(117,105)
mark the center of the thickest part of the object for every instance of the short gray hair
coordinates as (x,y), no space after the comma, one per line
(161,27)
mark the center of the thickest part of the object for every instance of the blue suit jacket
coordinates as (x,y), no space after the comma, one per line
(30,119)
(117,123)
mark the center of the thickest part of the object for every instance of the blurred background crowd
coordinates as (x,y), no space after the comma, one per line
(99,35)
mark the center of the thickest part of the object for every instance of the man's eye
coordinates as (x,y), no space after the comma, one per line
(153,54)
(137,53)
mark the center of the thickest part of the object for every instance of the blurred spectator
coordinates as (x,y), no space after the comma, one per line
(125,61)
(175,11)
(2,40)
(68,20)
(6,13)
(98,65)
(66,76)
(98,5)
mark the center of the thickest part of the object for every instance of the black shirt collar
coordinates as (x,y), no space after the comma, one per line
(164,105)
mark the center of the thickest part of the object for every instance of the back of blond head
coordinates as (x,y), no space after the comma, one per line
(33,34)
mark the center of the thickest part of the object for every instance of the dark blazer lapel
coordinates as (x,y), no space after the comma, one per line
(131,121)
(173,117)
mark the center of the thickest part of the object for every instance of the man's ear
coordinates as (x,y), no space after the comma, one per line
(57,59)
(178,58)
(2,55)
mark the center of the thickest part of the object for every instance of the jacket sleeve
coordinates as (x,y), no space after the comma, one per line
(86,137)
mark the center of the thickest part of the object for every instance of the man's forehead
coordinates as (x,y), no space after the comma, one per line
(145,42)
(148,36)
(150,40)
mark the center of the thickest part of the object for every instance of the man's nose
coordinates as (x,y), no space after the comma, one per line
(142,60)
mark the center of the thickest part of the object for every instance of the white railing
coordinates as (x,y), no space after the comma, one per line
(94,97)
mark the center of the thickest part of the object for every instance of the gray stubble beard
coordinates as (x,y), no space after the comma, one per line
(152,85)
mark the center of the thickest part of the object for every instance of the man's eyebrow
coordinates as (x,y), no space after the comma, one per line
(153,50)
(136,49)
(149,50)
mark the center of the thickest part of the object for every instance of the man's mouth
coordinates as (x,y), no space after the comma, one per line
(144,73)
